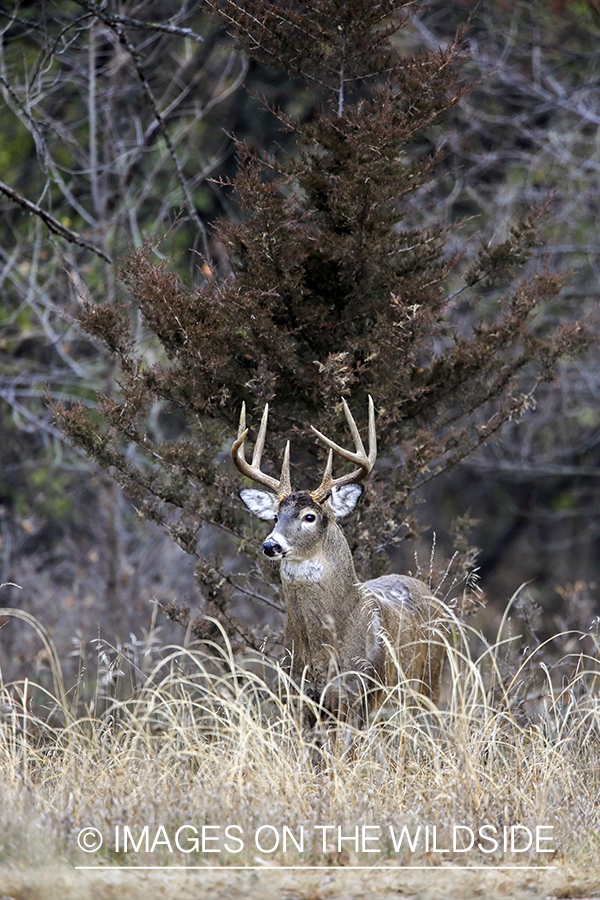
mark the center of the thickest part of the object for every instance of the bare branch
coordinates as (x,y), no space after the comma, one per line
(53,224)
(161,122)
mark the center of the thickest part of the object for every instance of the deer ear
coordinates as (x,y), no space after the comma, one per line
(262,503)
(344,498)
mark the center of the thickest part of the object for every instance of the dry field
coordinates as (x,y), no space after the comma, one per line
(189,758)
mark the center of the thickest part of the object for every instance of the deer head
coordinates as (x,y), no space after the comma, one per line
(303,517)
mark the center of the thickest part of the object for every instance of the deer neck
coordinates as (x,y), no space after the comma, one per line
(330,569)
(322,600)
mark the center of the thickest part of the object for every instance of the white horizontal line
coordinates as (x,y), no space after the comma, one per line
(317,868)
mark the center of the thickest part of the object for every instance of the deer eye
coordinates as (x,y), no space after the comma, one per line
(275,518)
(310,517)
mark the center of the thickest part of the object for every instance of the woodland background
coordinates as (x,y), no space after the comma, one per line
(120,128)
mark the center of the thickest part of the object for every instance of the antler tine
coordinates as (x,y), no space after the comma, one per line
(237,448)
(252,470)
(328,467)
(360,447)
(260,440)
(285,481)
(242,430)
(364,461)
(372,433)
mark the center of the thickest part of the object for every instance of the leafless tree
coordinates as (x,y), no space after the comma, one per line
(114,119)
(529,130)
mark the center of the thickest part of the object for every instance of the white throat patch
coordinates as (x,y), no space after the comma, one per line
(301,570)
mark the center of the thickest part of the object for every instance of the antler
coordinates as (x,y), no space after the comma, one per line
(283,487)
(364,462)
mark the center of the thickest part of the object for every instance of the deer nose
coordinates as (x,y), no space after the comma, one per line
(272,548)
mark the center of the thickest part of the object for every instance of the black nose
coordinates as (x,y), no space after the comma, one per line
(272,548)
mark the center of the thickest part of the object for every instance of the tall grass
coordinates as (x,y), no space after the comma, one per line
(202,738)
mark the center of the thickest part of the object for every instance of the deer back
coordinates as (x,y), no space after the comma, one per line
(409,635)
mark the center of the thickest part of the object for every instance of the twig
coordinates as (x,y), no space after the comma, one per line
(116,25)
(53,224)
(141,25)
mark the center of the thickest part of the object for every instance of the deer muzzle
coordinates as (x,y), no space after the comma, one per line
(272,549)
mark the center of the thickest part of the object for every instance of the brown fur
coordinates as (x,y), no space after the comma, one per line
(346,641)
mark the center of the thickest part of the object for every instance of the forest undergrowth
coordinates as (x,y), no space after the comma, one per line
(190,756)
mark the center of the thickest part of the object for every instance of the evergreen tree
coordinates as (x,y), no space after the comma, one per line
(334,286)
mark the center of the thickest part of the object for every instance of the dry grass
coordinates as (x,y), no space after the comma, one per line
(207,740)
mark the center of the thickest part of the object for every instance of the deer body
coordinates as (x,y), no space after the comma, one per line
(344,640)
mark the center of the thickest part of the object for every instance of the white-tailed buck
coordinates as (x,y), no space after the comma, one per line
(346,640)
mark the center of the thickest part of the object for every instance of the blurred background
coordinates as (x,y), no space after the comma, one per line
(108,124)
